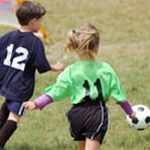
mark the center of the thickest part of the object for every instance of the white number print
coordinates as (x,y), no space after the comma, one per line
(16,62)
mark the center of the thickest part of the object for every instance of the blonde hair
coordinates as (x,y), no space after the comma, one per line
(83,41)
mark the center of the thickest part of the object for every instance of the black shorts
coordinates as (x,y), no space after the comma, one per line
(88,120)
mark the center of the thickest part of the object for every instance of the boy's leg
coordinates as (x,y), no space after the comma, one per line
(92,144)
(81,145)
(8,129)
(4,113)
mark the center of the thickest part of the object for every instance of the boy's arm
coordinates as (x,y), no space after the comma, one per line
(57,67)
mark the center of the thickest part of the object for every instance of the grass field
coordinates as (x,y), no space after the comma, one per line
(124,27)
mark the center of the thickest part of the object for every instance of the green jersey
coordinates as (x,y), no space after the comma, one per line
(87,80)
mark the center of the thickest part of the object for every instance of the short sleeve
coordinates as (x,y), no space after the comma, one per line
(117,91)
(0,48)
(63,87)
(41,62)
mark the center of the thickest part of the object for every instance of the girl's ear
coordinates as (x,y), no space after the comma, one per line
(96,49)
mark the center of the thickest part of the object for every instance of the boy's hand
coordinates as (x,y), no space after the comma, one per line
(58,67)
(30,105)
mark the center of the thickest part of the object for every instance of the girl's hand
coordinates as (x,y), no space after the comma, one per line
(30,106)
(132,116)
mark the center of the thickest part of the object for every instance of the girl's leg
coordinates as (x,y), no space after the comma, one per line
(92,144)
(81,145)
(8,129)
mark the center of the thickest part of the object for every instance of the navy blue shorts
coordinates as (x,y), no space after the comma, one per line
(15,107)
(88,120)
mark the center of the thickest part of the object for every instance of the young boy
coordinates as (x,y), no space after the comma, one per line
(21,53)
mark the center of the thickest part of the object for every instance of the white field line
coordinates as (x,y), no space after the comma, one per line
(56,52)
(126,45)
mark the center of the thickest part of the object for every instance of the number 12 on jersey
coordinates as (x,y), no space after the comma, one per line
(16,62)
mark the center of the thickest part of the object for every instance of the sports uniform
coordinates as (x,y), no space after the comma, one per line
(87,80)
(89,84)
(21,53)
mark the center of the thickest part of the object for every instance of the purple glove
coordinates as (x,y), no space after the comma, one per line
(43,100)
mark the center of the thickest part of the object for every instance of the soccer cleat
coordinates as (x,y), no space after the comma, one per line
(0,125)
(1,148)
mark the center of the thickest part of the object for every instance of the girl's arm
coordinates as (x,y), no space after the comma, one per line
(39,103)
(127,108)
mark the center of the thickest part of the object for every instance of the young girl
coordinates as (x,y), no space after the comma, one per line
(89,83)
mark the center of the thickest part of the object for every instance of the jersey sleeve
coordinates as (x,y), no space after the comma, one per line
(0,48)
(126,107)
(63,87)
(116,89)
(41,62)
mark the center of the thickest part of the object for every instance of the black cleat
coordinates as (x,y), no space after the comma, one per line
(1,148)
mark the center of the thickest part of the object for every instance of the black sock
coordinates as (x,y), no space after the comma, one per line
(4,113)
(6,132)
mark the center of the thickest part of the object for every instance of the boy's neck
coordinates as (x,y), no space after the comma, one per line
(25,29)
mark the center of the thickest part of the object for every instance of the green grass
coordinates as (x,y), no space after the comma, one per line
(124,27)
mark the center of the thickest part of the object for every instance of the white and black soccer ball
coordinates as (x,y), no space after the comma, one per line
(142,119)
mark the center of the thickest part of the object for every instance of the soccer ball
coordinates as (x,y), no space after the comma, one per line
(142,118)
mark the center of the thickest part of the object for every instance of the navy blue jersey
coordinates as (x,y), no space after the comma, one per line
(20,55)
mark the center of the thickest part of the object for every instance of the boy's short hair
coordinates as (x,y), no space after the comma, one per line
(29,10)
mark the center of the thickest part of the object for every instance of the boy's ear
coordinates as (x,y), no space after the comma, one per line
(32,22)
